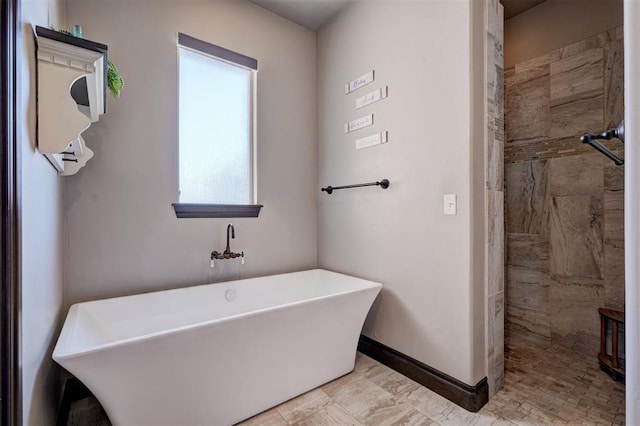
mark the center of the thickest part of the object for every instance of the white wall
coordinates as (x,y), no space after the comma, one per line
(123,236)
(431,306)
(632,208)
(557,23)
(42,235)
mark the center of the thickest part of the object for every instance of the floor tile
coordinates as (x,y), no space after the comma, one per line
(304,405)
(267,418)
(332,415)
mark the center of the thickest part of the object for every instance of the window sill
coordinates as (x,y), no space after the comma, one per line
(189,211)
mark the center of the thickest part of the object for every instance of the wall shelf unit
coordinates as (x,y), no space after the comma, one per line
(71,95)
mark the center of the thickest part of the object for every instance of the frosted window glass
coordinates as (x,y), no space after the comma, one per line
(214,130)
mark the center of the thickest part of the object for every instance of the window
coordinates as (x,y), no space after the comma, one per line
(216,149)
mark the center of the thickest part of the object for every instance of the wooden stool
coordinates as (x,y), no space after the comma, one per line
(610,363)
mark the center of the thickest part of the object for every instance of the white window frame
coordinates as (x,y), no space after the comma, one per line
(192,210)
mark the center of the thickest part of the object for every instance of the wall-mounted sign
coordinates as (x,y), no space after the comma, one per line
(372,97)
(372,140)
(359,82)
(358,123)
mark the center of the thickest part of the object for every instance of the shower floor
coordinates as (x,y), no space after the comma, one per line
(542,386)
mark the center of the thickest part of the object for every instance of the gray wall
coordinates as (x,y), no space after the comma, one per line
(42,235)
(123,236)
(432,303)
(557,23)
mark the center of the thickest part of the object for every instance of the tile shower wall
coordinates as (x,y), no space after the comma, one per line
(495,195)
(563,202)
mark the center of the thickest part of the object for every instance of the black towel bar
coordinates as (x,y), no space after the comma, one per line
(384,184)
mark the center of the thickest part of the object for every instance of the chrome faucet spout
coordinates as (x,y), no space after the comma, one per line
(233,235)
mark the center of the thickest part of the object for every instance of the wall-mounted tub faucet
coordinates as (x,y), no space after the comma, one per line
(227,253)
(233,235)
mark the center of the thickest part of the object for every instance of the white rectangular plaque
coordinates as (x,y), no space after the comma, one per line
(372,140)
(359,82)
(358,123)
(372,97)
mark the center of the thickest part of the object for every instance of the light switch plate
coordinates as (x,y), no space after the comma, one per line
(450,204)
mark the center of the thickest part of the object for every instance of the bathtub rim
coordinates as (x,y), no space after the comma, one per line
(73,313)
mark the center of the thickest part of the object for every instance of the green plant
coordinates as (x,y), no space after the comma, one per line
(115,82)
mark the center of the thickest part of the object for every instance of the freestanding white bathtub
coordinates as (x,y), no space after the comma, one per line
(215,354)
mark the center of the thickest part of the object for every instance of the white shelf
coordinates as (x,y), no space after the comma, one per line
(71,96)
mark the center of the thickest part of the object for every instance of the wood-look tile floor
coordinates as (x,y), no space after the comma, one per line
(552,386)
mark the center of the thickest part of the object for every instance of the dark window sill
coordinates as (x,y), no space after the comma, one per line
(188,211)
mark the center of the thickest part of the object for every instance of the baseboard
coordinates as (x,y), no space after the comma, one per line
(471,398)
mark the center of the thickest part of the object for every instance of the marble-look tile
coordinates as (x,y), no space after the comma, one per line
(576,236)
(509,72)
(538,61)
(614,215)
(525,197)
(614,274)
(361,398)
(613,83)
(495,163)
(400,414)
(495,21)
(495,267)
(574,304)
(575,325)
(568,289)
(455,416)
(497,56)
(334,385)
(576,85)
(495,75)
(577,117)
(598,40)
(490,348)
(527,105)
(577,75)
(333,415)
(487,418)
(304,405)
(576,175)
(495,125)
(528,289)
(529,322)
(613,175)
(499,369)
(528,251)
(498,96)
(428,403)
(391,381)
(364,363)
(521,329)
(495,207)
(267,418)
(495,375)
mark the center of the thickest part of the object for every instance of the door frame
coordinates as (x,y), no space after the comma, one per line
(632,208)
(10,379)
